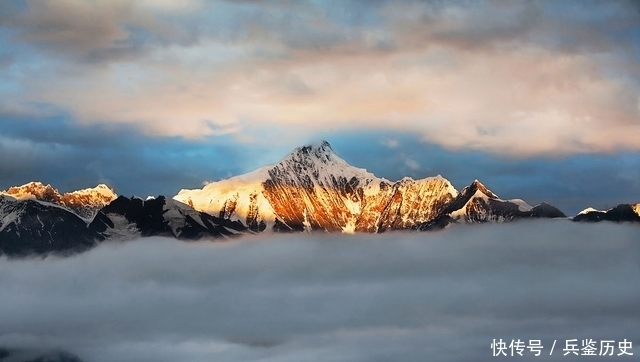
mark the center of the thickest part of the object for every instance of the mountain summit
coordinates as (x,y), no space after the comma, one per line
(620,213)
(312,188)
(84,203)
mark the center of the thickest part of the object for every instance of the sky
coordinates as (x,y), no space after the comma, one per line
(282,298)
(539,100)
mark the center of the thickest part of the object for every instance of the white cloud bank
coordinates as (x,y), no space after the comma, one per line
(395,297)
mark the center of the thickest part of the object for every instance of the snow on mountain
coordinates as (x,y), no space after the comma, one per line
(406,203)
(84,203)
(588,210)
(238,198)
(620,213)
(129,218)
(312,188)
(32,226)
(9,213)
(87,202)
(522,205)
(477,204)
(35,191)
(101,192)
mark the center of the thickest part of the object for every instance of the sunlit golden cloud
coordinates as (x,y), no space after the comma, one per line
(511,78)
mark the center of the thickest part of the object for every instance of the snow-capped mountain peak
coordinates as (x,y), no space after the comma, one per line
(84,203)
(33,190)
(322,150)
(476,203)
(522,205)
(319,161)
(588,210)
(101,191)
(29,225)
(477,186)
(620,213)
(312,188)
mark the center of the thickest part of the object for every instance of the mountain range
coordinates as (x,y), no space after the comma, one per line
(84,203)
(310,189)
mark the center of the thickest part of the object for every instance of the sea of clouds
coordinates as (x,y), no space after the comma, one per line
(437,296)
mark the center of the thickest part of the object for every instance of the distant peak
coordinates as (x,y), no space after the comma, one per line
(36,184)
(476,185)
(33,188)
(102,188)
(588,210)
(317,161)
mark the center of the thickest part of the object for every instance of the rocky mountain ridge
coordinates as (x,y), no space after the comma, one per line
(84,203)
(620,213)
(30,226)
(312,188)
(126,218)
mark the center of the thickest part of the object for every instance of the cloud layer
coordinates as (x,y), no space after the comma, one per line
(516,78)
(409,297)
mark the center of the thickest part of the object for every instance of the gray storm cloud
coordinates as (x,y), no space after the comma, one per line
(396,297)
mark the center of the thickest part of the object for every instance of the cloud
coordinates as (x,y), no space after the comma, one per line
(412,164)
(390,143)
(69,157)
(98,33)
(398,296)
(519,79)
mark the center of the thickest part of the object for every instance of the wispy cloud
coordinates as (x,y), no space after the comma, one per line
(412,164)
(391,143)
